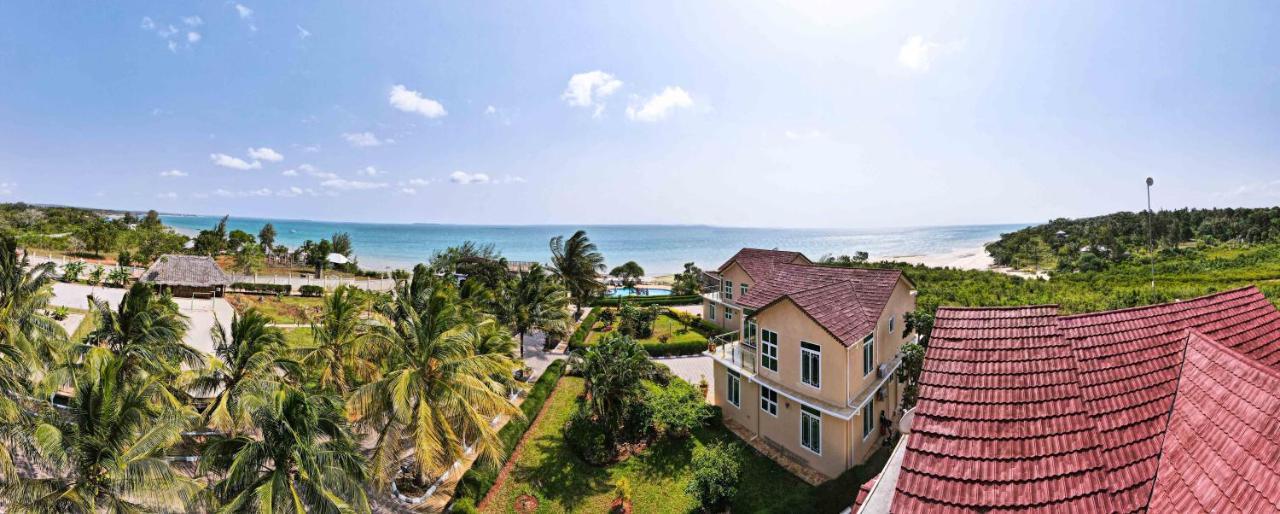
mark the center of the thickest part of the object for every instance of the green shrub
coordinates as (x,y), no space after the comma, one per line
(310,290)
(464,506)
(279,289)
(674,349)
(579,338)
(715,474)
(588,438)
(677,409)
(691,299)
(475,484)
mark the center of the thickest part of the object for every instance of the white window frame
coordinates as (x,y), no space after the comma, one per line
(733,388)
(767,404)
(814,368)
(711,312)
(728,314)
(768,350)
(868,422)
(809,417)
(868,354)
(752,330)
(743,288)
(728,289)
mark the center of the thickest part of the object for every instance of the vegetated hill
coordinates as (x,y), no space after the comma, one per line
(1092,244)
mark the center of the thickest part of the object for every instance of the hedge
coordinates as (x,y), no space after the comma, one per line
(579,337)
(670,349)
(476,482)
(309,290)
(688,299)
(282,289)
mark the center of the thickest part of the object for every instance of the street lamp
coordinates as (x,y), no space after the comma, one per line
(1151,233)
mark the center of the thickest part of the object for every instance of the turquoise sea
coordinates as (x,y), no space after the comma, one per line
(658,248)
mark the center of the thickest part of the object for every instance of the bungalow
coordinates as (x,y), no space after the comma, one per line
(187,276)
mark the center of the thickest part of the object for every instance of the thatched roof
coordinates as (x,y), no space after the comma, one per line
(186,270)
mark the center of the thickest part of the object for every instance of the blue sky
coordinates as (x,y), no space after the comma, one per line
(820,114)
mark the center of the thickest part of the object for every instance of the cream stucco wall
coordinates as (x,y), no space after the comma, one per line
(794,326)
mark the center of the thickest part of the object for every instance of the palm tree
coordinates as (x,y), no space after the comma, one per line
(102,453)
(613,370)
(250,362)
(533,302)
(337,352)
(578,264)
(447,381)
(26,334)
(301,459)
(146,331)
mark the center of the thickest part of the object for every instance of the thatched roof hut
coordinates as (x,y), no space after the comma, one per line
(187,275)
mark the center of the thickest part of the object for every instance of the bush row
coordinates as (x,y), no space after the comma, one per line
(283,289)
(579,338)
(649,300)
(310,290)
(476,482)
(674,348)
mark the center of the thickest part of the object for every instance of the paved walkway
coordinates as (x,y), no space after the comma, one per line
(201,314)
(692,368)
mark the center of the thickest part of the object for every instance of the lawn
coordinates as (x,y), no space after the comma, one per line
(551,472)
(665,325)
(285,309)
(295,337)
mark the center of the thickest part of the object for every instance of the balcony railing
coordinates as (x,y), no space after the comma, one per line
(729,349)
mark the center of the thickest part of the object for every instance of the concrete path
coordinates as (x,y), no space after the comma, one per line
(692,368)
(201,314)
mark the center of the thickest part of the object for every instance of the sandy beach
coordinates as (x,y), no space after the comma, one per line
(968,258)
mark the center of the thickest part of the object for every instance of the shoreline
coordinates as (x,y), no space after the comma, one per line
(965,258)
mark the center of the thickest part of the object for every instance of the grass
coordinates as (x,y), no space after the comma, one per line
(285,309)
(665,325)
(295,337)
(548,470)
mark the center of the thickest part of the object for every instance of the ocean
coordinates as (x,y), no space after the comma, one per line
(659,249)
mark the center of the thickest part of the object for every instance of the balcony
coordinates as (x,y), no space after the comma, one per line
(719,297)
(733,352)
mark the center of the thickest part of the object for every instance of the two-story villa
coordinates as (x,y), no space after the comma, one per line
(808,366)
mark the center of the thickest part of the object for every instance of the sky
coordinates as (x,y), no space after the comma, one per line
(769,114)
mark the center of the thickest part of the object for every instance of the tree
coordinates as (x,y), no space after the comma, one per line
(688,281)
(118,276)
(71,271)
(250,361)
(238,240)
(613,370)
(300,459)
(151,221)
(250,259)
(629,273)
(909,373)
(336,354)
(25,335)
(578,265)
(444,385)
(533,302)
(267,237)
(145,331)
(715,474)
(102,453)
(97,234)
(341,243)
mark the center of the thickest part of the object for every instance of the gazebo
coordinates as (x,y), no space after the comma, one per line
(187,276)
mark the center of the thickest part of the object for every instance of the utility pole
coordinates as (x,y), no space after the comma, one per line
(1151,237)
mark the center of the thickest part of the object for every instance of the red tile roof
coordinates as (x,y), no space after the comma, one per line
(847,302)
(1041,411)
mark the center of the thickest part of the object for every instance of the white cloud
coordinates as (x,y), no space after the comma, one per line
(590,89)
(167,196)
(148,24)
(408,191)
(235,163)
(408,100)
(193,37)
(462,177)
(6,188)
(418,182)
(349,185)
(917,53)
(364,139)
(290,172)
(491,110)
(193,21)
(293,191)
(173,173)
(660,106)
(245,12)
(370,171)
(173,46)
(172,36)
(303,33)
(243,194)
(165,32)
(265,154)
(797,135)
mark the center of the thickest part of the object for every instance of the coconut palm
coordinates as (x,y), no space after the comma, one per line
(301,459)
(533,302)
(578,264)
(337,353)
(446,382)
(613,370)
(26,334)
(249,363)
(102,453)
(146,331)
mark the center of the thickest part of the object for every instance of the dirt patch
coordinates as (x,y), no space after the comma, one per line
(526,504)
(515,455)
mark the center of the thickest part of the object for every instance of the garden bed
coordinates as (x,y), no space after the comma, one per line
(284,309)
(670,337)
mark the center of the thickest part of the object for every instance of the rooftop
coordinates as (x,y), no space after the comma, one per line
(185,270)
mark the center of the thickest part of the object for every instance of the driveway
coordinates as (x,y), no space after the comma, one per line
(692,368)
(201,314)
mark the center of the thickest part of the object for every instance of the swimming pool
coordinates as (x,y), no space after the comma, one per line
(639,291)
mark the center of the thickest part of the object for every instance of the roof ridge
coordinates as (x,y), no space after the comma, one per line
(1003,307)
(1235,354)
(1165,304)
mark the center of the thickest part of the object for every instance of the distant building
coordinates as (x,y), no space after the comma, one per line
(809,367)
(186,276)
(1166,408)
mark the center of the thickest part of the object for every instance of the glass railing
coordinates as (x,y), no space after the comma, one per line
(728,348)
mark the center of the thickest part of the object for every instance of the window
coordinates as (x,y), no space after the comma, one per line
(711,311)
(769,350)
(733,387)
(891,319)
(751,331)
(728,314)
(811,429)
(728,290)
(810,363)
(743,287)
(868,354)
(868,423)
(769,400)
